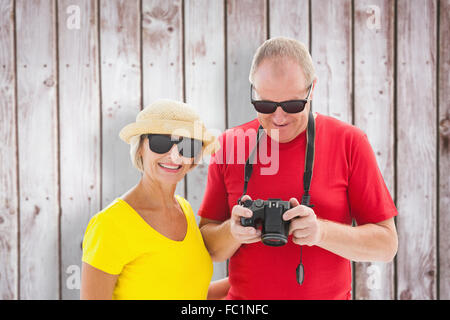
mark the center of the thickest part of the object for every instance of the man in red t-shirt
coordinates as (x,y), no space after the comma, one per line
(346,184)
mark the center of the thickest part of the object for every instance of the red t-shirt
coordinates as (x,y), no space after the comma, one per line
(346,184)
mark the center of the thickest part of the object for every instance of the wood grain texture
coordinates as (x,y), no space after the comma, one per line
(60,164)
(289,18)
(80,132)
(332,55)
(162,54)
(120,92)
(38,151)
(374,114)
(416,149)
(162,38)
(444,150)
(9,276)
(205,85)
(246,31)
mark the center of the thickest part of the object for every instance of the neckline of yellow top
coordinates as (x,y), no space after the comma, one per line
(159,235)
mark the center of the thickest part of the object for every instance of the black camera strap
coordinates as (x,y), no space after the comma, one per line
(248,164)
(309,161)
(307,175)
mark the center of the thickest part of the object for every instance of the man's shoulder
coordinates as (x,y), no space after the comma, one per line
(251,125)
(239,132)
(233,139)
(334,126)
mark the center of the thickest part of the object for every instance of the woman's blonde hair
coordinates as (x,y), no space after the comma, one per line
(283,47)
(136,158)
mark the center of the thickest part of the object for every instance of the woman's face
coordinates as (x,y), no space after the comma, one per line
(168,168)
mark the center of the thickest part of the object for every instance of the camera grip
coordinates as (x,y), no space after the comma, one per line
(247,222)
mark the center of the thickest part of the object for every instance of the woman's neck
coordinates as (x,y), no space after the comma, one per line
(150,194)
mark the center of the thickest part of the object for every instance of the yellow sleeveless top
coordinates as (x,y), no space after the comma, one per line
(150,266)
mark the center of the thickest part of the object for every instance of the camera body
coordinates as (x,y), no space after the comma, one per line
(269,213)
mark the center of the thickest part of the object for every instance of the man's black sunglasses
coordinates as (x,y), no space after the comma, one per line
(162,143)
(290,106)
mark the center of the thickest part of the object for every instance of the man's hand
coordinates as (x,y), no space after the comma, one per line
(305,227)
(240,233)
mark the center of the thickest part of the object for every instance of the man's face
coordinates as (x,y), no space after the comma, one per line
(282,80)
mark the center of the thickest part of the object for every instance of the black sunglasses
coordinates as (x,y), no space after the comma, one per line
(162,143)
(290,106)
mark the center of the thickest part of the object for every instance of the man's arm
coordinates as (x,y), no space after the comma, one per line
(368,242)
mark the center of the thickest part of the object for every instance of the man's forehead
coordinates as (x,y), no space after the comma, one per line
(275,70)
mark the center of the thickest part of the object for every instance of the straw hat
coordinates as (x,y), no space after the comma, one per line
(174,118)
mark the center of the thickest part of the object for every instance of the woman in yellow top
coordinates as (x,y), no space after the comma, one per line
(146,244)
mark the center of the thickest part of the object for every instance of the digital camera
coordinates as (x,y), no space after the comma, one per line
(269,214)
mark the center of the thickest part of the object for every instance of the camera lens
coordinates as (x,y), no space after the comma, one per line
(274,239)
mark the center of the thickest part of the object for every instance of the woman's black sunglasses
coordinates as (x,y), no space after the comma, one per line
(290,106)
(162,143)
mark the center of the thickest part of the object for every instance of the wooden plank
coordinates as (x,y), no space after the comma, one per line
(162,53)
(9,276)
(416,150)
(162,37)
(205,85)
(444,150)
(80,133)
(331,51)
(246,31)
(38,149)
(374,113)
(120,92)
(289,18)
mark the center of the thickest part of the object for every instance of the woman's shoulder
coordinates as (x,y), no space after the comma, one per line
(110,215)
(185,205)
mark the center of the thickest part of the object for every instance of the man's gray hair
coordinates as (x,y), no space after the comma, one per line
(283,47)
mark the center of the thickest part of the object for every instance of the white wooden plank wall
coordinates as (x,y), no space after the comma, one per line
(37,126)
(73,72)
(205,84)
(444,149)
(80,143)
(331,50)
(9,271)
(246,30)
(374,113)
(416,149)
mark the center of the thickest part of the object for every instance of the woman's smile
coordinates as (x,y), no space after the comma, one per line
(170,167)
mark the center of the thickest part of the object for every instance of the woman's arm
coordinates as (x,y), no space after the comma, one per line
(96,284)
(218,289)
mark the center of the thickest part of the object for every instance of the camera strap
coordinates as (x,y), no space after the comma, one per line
(307,175)
(248,164)
(309,161)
